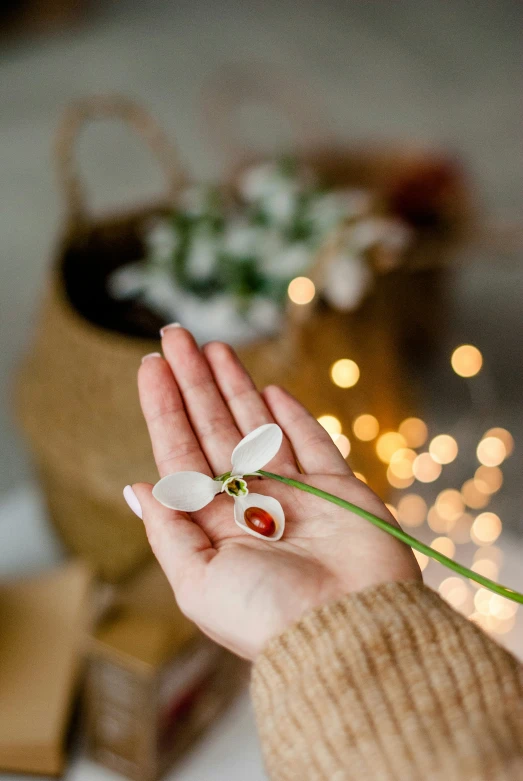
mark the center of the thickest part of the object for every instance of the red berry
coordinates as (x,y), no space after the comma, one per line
(260,521)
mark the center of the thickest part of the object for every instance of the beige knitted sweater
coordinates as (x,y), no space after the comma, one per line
(389,683)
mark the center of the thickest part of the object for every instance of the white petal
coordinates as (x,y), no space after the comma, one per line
(256,449)
(187,491)
(267,503)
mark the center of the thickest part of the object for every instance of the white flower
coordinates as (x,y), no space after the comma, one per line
(347,280)
(161,239)
(191,491)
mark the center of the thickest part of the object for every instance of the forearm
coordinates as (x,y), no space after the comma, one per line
(389,683)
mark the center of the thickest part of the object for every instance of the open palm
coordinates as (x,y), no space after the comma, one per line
(242,590)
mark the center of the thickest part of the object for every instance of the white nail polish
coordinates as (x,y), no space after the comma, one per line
(170,325)
(151,355)
(132,500)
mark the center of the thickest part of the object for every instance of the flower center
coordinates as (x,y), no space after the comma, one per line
(235,486)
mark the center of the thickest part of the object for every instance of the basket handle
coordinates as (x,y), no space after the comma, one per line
(115,107)
(234,86)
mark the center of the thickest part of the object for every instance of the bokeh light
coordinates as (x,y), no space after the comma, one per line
(392,510)
(486,528)
(387,444)
(331,424)
(437,522)
(421,558)
(401,463)
(488,479)
(502,608)
(444,545)
(345,373)
(443,449)
(460,529)
(491,451)
(414,430)
(466,360)
(366,427)
(301,290)
(455,592)
(485,567)
(505,436)
(398,482)
(473,497)
(412,510)
(343,444)
(425,469)
(492,553)
(449,504)
(360,476)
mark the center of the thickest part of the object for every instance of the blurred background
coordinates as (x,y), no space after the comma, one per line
(414,102)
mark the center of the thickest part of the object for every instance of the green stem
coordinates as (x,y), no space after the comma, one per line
(515,596)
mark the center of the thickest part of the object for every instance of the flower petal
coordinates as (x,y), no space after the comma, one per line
(256,449)
(267,503)
(187,491)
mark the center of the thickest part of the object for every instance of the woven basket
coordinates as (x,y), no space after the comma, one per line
(76,394)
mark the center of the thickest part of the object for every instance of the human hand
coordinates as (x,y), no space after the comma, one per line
(241,590)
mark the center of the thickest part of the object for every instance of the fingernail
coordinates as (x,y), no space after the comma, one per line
(151,355)
(170,325)
(132,500)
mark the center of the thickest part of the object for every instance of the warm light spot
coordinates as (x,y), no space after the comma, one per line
(488,479)
(482,601)
(486,528)
(414,430)
(392,510)
(421,558)
(387,444)
(425,469)
(443,449)
(444,545)
(401,463)
(398,482)
(487,568)
(492,553)
(491,451)
(460,531)
(345,373)
(436,522)
(455,591)
(500,627)
(301,290)
(343,444)
(502,608)
(366,427)
(360,477)
(466,360)
(505,436)
(412,510)
(473,497)
(449,504)
(330,424)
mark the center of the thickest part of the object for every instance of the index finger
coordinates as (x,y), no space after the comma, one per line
(175,445)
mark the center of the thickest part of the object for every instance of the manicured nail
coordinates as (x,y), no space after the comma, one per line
(151,355)
(132,500)
(167,327)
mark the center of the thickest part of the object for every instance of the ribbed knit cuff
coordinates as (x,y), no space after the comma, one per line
(389,683)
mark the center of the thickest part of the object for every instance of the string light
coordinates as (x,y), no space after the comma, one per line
(398,482)
(301,290)
(421,558)
(331,424)
(449,504)
(466,360)
(444,545)
(488,479)
(486,529)
(425,469)
(387,444)
(473,497)
(491,451)
(343,444)
(366,427)
(401,463)
(414,430)
(505,436)
(443,449)
(412,510)
(345,373)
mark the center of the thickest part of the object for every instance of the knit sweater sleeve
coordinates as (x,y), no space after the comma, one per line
(388,683)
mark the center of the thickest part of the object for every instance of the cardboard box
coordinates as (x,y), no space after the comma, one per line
(154,681)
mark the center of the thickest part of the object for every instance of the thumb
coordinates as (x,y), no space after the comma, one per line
(180,545)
